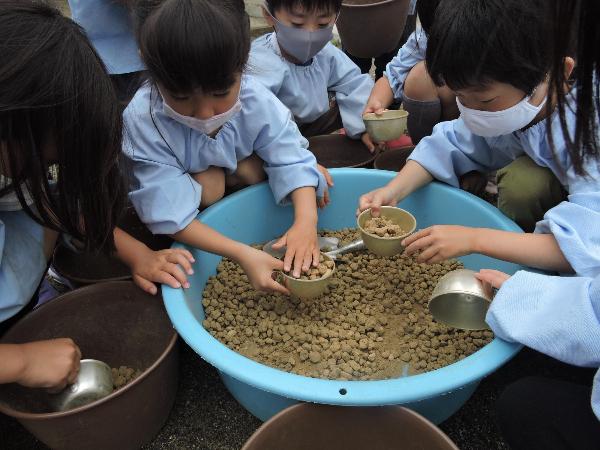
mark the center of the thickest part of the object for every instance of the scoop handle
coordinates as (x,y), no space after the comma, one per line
(351,247)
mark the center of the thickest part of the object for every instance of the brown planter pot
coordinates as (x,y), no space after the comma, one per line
(394,159)
(82,269)
(311,426)
(373,29)
(116,323)
(337,150)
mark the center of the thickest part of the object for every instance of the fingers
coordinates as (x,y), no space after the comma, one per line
(409,242)
(299,263)
(368,142)
(145,285)
(326,174)
(175,271)
(282,242)
(274,286)
(182,259)
(316,255)
(288,259)
(493,277)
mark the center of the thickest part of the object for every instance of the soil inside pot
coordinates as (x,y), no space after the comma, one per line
(124,375)
(383,227)
(373,323)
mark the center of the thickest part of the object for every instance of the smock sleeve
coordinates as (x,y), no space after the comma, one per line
(265,65)
(165,197)
(287,161)
(352,90)
(411,53)
(22,261)
(558,316)
(452,150)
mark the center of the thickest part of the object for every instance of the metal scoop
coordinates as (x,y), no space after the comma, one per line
(328,245)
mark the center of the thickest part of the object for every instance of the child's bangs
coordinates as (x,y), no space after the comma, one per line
(309,6)
(191,46)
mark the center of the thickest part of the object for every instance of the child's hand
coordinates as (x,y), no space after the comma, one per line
(49,364)
(374,105)
(493,277)
(324,201)
(440,242)
(374,200)
(163,266)
(259,267)
(366,139)
(302,247)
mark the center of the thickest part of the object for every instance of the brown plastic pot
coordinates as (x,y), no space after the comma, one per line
(310,426)
(116,323)
(394,159)
(372,29)
(82,269)
(338,150)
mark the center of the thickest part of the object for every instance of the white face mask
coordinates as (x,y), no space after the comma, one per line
(206,126)
(499,123)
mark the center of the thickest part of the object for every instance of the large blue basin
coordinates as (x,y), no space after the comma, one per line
(251,216)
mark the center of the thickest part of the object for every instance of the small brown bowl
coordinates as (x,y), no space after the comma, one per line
(387,246)
(308,289)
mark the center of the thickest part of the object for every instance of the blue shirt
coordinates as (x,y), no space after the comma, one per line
(22,260)
(558,316)
(304,89)
(164,153)
(108,26)
(411,53)
(452,150)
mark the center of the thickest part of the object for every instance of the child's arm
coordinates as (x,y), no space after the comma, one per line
(442,242)
(258,265)
(381,97)
(148,266)
(42,364)
(301,239)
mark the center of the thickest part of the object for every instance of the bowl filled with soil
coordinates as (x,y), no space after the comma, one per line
(313,283)
(387,126)
(394,159)
(370,28)
(368,341)
(309,426)
(383,235)
(127,329)
(337,150)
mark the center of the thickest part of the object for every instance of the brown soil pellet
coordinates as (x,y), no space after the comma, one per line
(372,323)
(383,227)
(123,375)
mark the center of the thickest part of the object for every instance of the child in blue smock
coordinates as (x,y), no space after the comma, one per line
(201,124)
(75,124)
(504,115)
(107,24)
(406,80)
(301,67)
(558,316)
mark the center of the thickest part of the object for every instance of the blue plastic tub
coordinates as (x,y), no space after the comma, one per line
(251,216)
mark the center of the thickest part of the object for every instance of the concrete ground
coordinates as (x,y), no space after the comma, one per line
(207,417)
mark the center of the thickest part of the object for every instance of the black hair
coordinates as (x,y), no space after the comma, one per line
(576,32)
(332,6)
(475,42)
(426,11)
(193,44)
(58,106)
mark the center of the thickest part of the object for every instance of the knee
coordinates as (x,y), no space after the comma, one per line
(212,181)
(250,171)
(419,85)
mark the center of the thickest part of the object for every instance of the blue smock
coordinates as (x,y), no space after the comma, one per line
(409,55)
(558,316)
(304,89)
(452,150)
(164,153)
(107,24)
(22,260)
